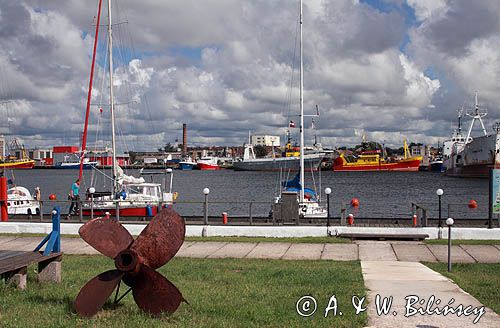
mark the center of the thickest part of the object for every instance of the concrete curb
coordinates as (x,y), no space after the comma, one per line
(265,231)
(456,233)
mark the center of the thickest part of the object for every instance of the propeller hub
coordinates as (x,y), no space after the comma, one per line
(127,261)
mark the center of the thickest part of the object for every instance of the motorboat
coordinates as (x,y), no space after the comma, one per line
(187,164)
(20,201)
(208,163)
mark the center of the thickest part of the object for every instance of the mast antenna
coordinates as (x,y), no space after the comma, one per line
(476,115)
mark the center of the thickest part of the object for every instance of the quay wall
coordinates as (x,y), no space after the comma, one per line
(265,231)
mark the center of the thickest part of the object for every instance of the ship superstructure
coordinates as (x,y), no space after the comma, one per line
(472,156)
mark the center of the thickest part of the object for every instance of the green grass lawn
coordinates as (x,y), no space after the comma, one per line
(481,280)
(462,241)
(221,293)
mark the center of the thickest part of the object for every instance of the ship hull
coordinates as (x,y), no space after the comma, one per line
(207,167)
(311,163)
(140,211)
(411,165)
(476,158)
(17,165)
(186,166)
(74,166)
(436,166)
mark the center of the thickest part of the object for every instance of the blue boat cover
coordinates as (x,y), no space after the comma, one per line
(294,185)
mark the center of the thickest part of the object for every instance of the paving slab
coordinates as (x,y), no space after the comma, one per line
(4,239)
(200,249)
(86,250)
(304,252)
(483,253)
(458,255)
(413,253)
(22,244)
(406,282)
(376,251)
(234,250)
(68,245)
(340,252)
(77,246)
(186,244)
(269,251)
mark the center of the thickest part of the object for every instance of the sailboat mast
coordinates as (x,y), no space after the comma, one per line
(89,95)
(111,100)
(301,112)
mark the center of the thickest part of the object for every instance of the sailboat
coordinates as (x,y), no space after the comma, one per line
(130,196)
(308,200)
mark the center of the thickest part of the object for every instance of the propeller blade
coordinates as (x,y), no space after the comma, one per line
(94,294)
(107,236)
(154,293)
(161,239)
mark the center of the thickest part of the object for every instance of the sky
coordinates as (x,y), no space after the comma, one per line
(384,69)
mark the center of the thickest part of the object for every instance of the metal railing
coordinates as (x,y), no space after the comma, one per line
(246,212)
(421,212)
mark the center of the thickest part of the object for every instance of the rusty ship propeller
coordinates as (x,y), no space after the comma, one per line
(135,262)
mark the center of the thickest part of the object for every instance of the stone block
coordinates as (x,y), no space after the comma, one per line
(18,278)
(49,271)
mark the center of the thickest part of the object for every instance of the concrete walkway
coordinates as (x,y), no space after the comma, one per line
(361,250)
(411,286)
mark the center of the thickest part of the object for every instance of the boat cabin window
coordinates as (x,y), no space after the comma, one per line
(16,192)
(133,190)
(142,190)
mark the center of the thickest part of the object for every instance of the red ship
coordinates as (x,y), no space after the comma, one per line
(373,161)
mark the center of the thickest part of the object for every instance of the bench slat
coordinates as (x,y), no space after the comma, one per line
(23,259)
(7,254)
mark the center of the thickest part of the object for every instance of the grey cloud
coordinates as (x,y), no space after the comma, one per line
(462,23)
(239,83)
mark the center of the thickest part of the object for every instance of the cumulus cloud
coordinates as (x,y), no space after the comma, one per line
(226,67)
(461,45)
(424,9)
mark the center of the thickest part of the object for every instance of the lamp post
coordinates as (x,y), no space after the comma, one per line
(449,223)
(91,192)
(170,172)
(206,191)
(439,192)
(328,191)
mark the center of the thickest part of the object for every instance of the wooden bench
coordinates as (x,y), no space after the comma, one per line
(383,236)
(14,266)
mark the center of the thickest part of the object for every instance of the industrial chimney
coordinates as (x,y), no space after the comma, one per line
(184,139)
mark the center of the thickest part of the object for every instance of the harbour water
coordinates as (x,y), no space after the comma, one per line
(381,194)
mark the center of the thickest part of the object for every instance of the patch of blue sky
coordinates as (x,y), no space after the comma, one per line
(382,5)
(189,54)
(123,55)
(431,73)
(446,83)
